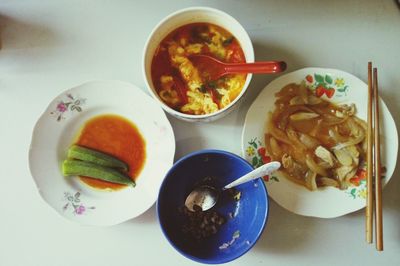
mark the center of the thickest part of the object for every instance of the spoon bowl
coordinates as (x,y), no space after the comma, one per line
(213,69)
(204,197)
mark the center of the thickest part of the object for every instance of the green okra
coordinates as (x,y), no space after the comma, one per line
(84,168)
(97,157)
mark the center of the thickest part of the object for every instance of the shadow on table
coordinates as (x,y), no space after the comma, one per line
(391,199)
(18,34)
(285,232)
(289,233)
(397,2)
(148,217)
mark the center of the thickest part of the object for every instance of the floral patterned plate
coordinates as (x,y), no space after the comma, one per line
(55,131)
(339,87)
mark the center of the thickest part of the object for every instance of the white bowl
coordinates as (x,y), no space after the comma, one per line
(187,16)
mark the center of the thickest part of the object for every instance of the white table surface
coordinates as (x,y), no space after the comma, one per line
(49,46)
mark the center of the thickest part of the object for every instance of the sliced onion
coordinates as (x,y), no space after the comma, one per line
(298,170)
(310,179)
(287,161)
(303,116)
(277,133)
(314,166)
(343,171)
(354,152)
(350,175)
(364,147)
(281,116)
(343,157)
(334,134)
(296,100)
(313,100)
(325,155)
(314,132)
(308,141)
(302,92)
(334,127)
(324,165)
(353,141)
(355,128)
(275,149)
(361,122)
(332,120)
(268,148)
(357,131)
(292,135)
(349,110)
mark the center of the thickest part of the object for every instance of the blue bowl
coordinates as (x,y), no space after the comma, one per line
(245,218)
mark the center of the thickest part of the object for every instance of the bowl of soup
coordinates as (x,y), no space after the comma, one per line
(175,81)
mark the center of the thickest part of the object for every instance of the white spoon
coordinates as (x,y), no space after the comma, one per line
(207,196)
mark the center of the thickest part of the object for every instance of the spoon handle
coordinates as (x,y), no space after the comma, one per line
(266,169)
(256,68)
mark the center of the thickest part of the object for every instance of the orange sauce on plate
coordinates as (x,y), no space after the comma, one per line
(116,136)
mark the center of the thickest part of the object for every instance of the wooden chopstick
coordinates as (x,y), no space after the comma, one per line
(370,199)
(374,193)
(377,163)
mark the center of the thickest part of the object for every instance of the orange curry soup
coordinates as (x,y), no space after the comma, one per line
(116,136)
(180,84)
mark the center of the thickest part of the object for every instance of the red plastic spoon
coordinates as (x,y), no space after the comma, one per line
(212,69)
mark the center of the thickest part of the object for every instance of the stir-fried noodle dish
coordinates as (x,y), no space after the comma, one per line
(318,143)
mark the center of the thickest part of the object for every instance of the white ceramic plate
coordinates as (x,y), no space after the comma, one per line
(59,124)
(326,202)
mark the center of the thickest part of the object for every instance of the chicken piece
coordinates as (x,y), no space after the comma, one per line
(343,171)
(325,155)
(287,161)
(348,155)
(343,157)
(354,153)
(294,168)
(312,165)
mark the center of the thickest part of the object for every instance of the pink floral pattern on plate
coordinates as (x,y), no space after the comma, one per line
(70,104)
(74,203)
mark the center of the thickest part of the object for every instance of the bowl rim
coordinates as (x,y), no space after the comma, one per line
(170,110)
(259,233)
